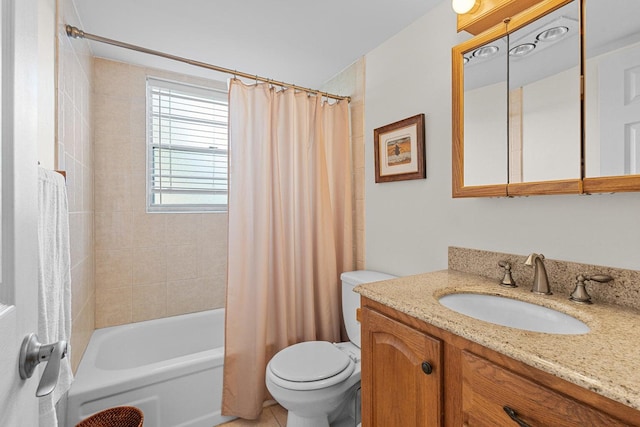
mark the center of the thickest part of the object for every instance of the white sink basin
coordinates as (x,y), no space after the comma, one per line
(514,313)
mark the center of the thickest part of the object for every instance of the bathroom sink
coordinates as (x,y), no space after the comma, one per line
(514,313)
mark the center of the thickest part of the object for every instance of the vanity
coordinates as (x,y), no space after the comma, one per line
(424,364)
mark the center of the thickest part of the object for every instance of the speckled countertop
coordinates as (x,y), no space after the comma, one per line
(605,360)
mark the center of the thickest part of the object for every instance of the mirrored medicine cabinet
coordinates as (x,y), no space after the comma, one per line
(540,107)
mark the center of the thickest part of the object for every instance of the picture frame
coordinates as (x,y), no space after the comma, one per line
(399,150)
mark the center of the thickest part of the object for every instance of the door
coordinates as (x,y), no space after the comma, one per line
(402,374)
(18,171)
(620,113)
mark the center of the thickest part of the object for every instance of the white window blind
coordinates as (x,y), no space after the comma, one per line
(187,147)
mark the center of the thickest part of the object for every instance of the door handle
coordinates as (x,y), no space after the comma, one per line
(32,353)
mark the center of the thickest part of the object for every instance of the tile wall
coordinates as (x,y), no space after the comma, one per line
(74,154)
(148,265)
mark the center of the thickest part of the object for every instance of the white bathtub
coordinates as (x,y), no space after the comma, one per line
(169,368)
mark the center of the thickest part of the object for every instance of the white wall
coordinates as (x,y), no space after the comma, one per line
(410,224)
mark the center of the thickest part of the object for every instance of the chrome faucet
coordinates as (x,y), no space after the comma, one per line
(540,279)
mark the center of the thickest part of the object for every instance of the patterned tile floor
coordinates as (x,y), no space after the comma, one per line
(272,416)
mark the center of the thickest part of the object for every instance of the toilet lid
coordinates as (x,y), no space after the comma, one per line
(309,361)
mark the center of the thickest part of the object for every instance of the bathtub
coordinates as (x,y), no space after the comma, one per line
(170,368)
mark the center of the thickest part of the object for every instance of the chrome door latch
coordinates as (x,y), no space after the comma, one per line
(32,353)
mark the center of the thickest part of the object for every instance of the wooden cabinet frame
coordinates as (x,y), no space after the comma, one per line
(501,10)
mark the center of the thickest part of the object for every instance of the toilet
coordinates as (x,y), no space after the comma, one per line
(318,382)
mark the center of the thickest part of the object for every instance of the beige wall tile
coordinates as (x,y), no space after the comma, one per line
(112,154)
(139,192)
(218,287)
(80,289)
(188,296)
(184,262)
(360,214)
(149,230)
(88,193)
(74,153)
(149,302)
(360,254)
(114,268)
(138,153)
(212,258)
(357,119)
(75,235)
(113,191)
(214,227)
(112,117)
(112,79)
(138,113)
(113,230)
(113,306)
(359,184)
(150,265)
(183,229)
(357,152)
(148,251)
(83,327)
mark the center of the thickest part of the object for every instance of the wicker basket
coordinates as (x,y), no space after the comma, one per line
(120,416)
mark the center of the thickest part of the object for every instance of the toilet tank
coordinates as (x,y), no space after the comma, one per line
(351,300)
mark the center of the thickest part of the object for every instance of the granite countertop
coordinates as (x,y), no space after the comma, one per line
(604,360)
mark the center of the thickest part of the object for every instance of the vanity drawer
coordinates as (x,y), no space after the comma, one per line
(488,388)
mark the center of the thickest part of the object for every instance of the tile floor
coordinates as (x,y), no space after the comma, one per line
(272,416)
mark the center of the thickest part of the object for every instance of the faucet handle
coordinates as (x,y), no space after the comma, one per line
(507,280)
(580,294)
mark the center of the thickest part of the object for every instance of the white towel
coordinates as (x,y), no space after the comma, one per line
(54,281)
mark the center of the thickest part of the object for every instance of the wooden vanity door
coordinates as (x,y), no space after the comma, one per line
(398,388)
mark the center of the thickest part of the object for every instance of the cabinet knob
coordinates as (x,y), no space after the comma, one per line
(427,368)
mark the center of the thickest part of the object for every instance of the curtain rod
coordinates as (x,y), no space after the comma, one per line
(79,34)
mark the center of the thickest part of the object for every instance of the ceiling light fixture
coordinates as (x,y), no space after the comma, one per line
(464,6)
(485,51)
(552,34)
(522,50)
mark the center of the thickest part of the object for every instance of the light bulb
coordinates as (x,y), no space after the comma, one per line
(463,6)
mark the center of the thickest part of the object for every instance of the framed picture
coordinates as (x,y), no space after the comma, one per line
(399,150)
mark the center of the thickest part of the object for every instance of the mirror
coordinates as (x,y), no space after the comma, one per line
(544,98)
(517,114)
(479,100)
(612,95)
(485,109)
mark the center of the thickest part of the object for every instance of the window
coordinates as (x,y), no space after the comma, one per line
(187,147)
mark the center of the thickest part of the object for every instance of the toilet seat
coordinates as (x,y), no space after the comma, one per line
(310,365)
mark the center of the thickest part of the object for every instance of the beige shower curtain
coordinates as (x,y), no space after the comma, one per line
(290,231)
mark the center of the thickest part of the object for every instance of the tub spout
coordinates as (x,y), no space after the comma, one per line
(540,279)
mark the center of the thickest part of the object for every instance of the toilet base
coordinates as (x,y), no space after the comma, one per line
(294,420)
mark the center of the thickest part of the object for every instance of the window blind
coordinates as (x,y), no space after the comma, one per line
(187,147)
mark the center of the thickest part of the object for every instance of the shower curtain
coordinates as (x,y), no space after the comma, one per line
(290,231)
